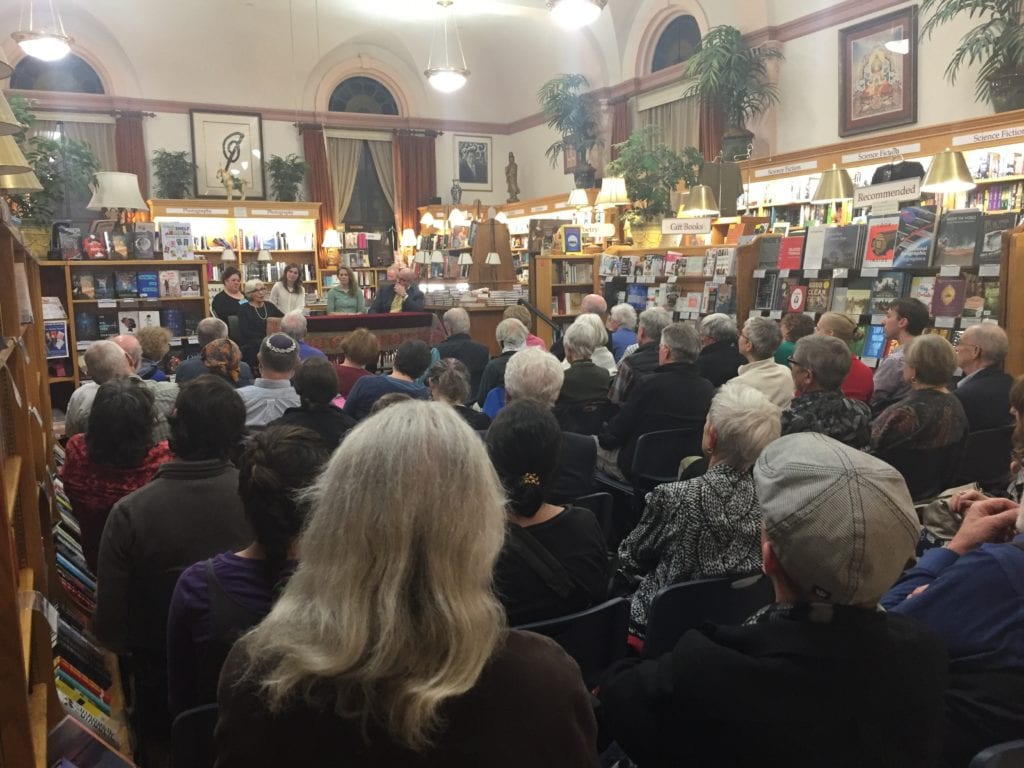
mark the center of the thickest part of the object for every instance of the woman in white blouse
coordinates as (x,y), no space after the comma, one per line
(288,293)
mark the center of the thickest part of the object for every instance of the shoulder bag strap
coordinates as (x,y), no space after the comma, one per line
(541,562)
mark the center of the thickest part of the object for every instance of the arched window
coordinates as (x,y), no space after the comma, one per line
(677,43)
(364,95)
(70,75)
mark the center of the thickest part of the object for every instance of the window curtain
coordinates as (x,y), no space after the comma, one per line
(343,164)
(380,152)
(99,136)
(621,125)
(130,148)
(679,122)
(318,176)
(712,124)
(415,164)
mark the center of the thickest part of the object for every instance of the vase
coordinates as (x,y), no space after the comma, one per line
(646,234)
(736,144)
(1007,91)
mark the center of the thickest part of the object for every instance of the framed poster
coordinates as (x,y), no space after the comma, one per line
(473,161)
(878,73)
(228,151)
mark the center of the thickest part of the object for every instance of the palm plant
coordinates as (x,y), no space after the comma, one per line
(996,43)
(573,114)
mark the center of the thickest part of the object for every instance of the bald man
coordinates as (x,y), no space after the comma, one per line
(402,296)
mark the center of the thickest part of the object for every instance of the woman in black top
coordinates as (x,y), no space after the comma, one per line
(555,558)
(252,319)
(317,385)
(448,380)
(229,301)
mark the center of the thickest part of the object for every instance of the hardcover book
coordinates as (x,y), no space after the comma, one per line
(991,236)
(126,285)
(725,261)
(106,320)
(709,298)
(128,322)
(82,286)
(819,295)
(842,246)
(726,299)
(791,252)
(914,237)
(948,300)
(797,298)
(174,321)
(956,240)
(149,317)
(874,342)
(922,288)
(86,327)
(768,251)
(885,289)
(105,286)
(119,248)
(880,241)
(169,288)
(839,299)
(148,284)
(142,240)
(767,286)
(636,296)
(814,249)
(188,282)
(176,240)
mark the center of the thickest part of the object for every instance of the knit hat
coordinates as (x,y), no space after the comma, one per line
(841,522)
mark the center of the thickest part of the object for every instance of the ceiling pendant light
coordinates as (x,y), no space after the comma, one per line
(575,14)
(446,68)
(46,42)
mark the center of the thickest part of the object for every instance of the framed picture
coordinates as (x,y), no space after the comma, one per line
(228,151)
(568,159)
(473,161)
(878,73)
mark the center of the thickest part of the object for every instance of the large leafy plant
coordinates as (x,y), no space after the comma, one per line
(286,174)
(573,114)
(652,171)
(175,174)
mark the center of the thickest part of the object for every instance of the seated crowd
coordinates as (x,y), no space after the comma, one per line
(341,566)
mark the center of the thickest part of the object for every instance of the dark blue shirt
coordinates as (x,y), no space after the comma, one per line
(366,391)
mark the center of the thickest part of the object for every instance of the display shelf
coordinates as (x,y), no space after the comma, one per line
(552,294)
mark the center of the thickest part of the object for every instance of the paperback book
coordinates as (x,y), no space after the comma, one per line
(914,237)
(991,236)
(767,286)
(880,242)
(169,288)
(956,240)
(188,283)
(105,286)
(819,295)
(948,300)
(791,251)
(922,288)
(128,322)
(842,246)
(874,342)
(148,284)
(885,289)
(726,299)
(126,285)
(768,251)
(149,317)
(106,323)
(814,248)
(974,296)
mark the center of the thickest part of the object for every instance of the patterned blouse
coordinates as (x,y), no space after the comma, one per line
(705,527)
(923,420)
(832,414)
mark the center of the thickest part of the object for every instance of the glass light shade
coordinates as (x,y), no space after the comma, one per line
(331,239)
(447,80)
(699,202)
(575,14)
(427,220)
(613,192)
(835,185)
(228,255)
(465,259)
(493,259)
(948,173)
(20,182)
(408,239)
(263,255)
(578,198)
(45,46)
(11,158)
(446,66)
(116,190)
(456,217)
(8,122)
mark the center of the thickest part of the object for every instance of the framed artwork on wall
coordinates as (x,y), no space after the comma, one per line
(228,152)
(473,161)
(878,73)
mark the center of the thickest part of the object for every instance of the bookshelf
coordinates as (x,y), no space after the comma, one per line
(558,283)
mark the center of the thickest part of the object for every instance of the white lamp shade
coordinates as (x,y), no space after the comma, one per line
(493,259)
(575,14)
(456,217)
(613,192)
(116,190)
(427,220)
(578,198)
(447,79)
(263,255)
(501,218)
(331,239)
(422,257)
(437,258)
(465,259)
(45,46)
(228,255)
(408,239)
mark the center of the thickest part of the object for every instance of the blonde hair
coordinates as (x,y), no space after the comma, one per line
(843,327)
(155,342)
(391,602)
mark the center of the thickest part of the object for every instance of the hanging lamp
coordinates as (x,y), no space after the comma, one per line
(446,68)
(575,14)
(39,39)
(835,185)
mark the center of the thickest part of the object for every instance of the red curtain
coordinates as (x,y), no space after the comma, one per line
(319,178)
(621,127)
(131,148)
(415,176)
(712,124)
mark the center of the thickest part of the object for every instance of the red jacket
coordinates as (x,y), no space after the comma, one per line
(859,382)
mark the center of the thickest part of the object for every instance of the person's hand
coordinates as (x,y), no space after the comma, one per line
(960,501)
(990,521)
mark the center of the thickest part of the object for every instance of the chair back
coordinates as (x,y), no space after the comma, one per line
(727,600)
(494,402)
(1009,754)
(584,418)
(192,744)
(595,637)
(927,472)
(602,504)
(986,459)
(658,454)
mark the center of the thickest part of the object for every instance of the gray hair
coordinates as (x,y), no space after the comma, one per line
(580,341)
(596,325)
(826,357)
(450,378)
(534,374)
(932,358)
(992,341)
(624,315)
(105,361)
(682,342)
(294,324)
(251,285)
(511,334)
(719,326)
(210,329)
(131,346)
(745,421)
(764,336)
(456,320)
(653,321)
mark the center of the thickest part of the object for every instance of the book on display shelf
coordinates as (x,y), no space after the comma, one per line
(128,322)
(791,251)
(922,288)
(957,238)
(880,241)
(874,342)
(797,298)
(169,287)
(783,292)
(726,299)
(149,318)
(148,284)
(819,295)
(126,284)
(767,287)
(106,323)
(843,246)
(838,299)
(915,237)
(768,252)
(948,298)
(991,236)
(105,285)
(814,247)
(189,284)
(885,289)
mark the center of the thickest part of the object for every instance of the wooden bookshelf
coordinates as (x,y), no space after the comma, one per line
(549,284)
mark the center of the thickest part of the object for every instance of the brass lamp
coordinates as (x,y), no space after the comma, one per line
(700,201)
(11,158)
(20,182)
(8,122)
(835,185)
(948,173)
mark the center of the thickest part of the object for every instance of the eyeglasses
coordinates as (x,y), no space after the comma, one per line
(965,346)
(792,361)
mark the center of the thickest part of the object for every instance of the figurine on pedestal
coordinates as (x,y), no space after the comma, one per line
(456,191)
(511,178)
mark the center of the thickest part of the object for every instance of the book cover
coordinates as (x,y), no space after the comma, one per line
(838,299)
(168,287)
(819,295)
(885,289)
(636,296)
(126,285)
(948,300)
(174,321)
(874,342)
(149,317)
(93,247)
(768,251)
(842,246)
(55,337)
(814,248)
(68,240)
(725,261)
(767,286)
(914,237)
(192,319)
(694,266)
(797,298)
(726,299)
(709,298)
(992,289)
(991,236)
(148,284)
(672,263)
(857,301)
(128,322)
(82,286)
(106,323)
(922,288)
(974,296)
(791,252)
(188,282)
(857,345)
(956,239)
(119,248)
(105,285)
(784,291)
(709,264)
(692,301)
(880,241)
(654,265)
(142,241)
(86,326)
(176,240)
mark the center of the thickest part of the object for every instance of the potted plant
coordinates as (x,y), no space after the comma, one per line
(652,172)
(573,114)
(732,76)
(996,43)
(286,174)
(175,173)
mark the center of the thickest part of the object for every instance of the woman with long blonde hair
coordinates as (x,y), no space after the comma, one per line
(388,646)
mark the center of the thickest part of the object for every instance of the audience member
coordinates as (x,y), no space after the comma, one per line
(115,456)
(555,561)
(710,525)
(638,364)
(209,329)
(448,380)
(362,352)
(401,659)
(511,336)
(400,296)
(622,326)
(387,400)
(591,304)
(104,361)
(229,301)
(461,346)
(602,355)
(838,525)
(155,343)
(252,320)
(217,600)
(984,391)
(758,341)
(674,396)
(584,380)
(316,385)
(794,326)
(272,393)
(294,324)
(222,357)
(819,365)
(522,314)
(720,359)
(859,383)
(346,297)
(905,320)
(536,375)
(1016,488)
(411,361)
(289,294)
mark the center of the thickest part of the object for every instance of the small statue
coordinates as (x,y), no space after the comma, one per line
(227,181)
(456,191)
(511,180)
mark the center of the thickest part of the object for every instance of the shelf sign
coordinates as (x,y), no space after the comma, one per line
(883,153)
(1003,134)
(538,208)
(786,170)
(699,225)
(889,192)
(196,211)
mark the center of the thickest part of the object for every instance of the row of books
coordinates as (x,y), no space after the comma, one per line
(716,261)
(102,324)
(574,273)
(278,241)
(131,284)
(996,197)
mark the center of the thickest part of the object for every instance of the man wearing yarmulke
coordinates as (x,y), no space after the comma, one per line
(822,676)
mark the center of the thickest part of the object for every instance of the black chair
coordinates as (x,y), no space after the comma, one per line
(1009,754)
(192,744)
(595,637)
(584,418)
(986,459)
(656,459)
(727,600)
(603,506)
(927,472)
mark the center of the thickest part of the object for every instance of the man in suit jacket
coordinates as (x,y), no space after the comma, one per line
(984,391)
(401,296)
(459,345)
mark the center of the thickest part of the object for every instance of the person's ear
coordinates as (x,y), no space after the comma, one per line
(770,563)
(712,438)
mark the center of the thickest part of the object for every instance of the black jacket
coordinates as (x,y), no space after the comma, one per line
(330,422)
(493,375)
(472,354)
(414,300)
(986,399)
(633,368)
(720,361)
